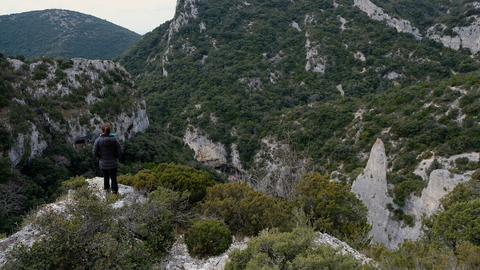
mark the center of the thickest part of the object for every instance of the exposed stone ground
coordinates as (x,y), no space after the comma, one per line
(177,258)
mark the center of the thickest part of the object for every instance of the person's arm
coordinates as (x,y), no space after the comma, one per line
(119,148)
(95,149)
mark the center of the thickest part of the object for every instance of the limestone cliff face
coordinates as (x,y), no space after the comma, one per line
(377,13)
(440,184)
(206,151)
(73,100)
(464,36)
(211,153)
(372,188)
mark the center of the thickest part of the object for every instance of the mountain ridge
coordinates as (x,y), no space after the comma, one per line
(65,33)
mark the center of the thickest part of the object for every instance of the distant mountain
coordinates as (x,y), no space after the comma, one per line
(55,32)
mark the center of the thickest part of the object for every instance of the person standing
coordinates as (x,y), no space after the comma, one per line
(108,149)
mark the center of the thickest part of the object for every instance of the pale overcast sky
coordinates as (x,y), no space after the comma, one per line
(140,16)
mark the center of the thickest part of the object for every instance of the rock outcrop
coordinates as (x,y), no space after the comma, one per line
(372,188)
(206,151)
(377,14)
(28,234)
(463,37)
(441,183)
(178,257)
(66,101)
(213,154)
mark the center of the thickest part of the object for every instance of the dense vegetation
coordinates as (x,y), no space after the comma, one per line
(97,237)
(428,13)
(321,77)
(235,82)
(137,234)
(208,238)
(294,250)
(40,180)
(251,77)
(55,32)
(451,236)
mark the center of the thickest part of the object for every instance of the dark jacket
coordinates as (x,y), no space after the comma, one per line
(108,149)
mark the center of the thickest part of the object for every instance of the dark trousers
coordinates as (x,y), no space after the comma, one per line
(107,175)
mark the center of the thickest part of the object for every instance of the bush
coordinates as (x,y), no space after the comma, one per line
(332,208)
(293,250)
(74,183)
(172,176)
(208,238)
(245,210)
(90,234)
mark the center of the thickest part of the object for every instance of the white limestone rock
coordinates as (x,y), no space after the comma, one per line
(206,151)
(178,257)
(440,184)
(28,235)
(372,188)
(377,14)
(126,124)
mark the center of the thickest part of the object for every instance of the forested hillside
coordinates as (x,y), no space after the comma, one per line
(317,82)
(319,75)
(279,98)
(56,32)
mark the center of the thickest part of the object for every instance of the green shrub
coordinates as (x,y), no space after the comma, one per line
(91,234)
(416,255)
(74,183)
(294,250)
(208,238)
(476,175)
(332,208)
(245,210)
(151,221)
(173,176)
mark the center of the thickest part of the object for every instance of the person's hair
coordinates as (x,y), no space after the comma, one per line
(106,128)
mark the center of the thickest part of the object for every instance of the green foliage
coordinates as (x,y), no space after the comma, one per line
(460,223)
(156,146)
(172,176)
(405,185)
(244,210)
(35,34)
(416,255)
(332,208)
(74,183)
(208,238)
(6,174)
(450,240)
(99,236)
(152,221)
(463,192)
(40,72)
(253,82)
(112,102)
(293,250)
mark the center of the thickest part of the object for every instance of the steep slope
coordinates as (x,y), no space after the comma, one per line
(55,32)
(275,88)
(64,101)
(242,71)
(453,23)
